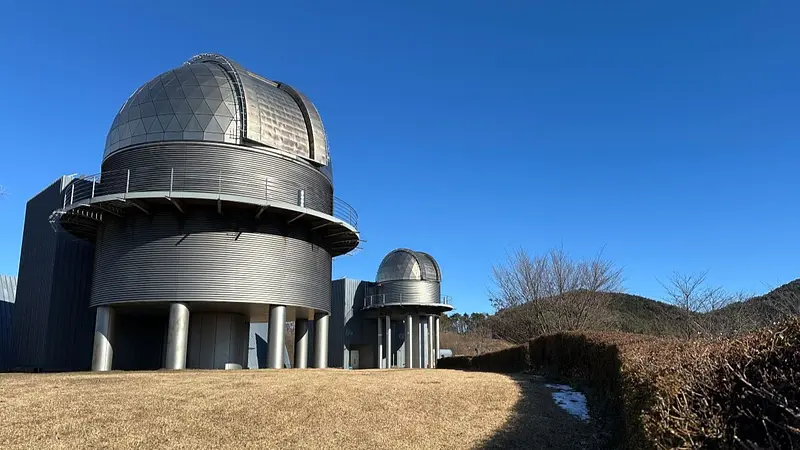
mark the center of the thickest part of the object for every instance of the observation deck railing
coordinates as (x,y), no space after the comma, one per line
(376,300)
(259,189)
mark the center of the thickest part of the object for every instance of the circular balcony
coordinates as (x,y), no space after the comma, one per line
(90,198)
(398,299)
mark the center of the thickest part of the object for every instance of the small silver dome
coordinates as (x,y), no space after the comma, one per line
(405,264)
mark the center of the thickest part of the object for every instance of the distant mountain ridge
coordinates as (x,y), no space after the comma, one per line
(636,314)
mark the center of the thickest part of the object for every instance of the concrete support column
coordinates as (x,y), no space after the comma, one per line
(380,342)
(321,340)
(420,330)
(409,341)
(301,343)
(276,344)
(431,344)
(438,348)
(103,349)
(177,336)
(388,342)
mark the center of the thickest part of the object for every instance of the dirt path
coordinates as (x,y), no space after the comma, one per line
(283,409)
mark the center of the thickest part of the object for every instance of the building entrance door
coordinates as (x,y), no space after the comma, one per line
(354,359)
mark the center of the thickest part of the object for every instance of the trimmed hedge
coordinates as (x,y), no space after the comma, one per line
(666,393)
(510,360)
(675,394)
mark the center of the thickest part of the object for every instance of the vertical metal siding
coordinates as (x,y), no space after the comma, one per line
(8,291)
(216,339)
(336,324)
(52,327)
(139,341)
(71,321)
(34,285)
(346,325)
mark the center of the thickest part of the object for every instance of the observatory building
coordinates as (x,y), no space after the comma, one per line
(394,321)
(214,208)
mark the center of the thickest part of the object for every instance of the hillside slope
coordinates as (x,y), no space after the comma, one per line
(635,314)
(762,310)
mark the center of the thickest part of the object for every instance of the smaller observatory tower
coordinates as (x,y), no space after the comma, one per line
(407,289)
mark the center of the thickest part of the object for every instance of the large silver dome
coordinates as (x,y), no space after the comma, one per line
(405,264)
(212,98)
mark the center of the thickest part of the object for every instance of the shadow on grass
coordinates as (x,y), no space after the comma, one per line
(537,422)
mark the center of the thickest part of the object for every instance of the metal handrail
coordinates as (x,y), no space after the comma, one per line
(83,188)
(399,298)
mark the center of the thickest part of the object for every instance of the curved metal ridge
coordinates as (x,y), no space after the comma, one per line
(232,70)
(306,117)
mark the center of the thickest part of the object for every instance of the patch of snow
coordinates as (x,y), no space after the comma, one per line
(560,387)
(572,401)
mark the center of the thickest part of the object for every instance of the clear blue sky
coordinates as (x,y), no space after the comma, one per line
(667,132)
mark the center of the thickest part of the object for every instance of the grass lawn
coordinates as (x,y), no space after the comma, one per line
(281,409)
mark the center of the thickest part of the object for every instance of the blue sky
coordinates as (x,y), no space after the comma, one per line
(664,132)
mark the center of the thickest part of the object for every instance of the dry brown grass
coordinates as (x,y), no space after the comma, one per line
(271,409)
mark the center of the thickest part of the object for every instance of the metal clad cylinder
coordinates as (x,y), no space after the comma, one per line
(411,291)
(103,351)
(321,340)
(301,343)
(177,336)
(198,165)
(205,257)
(277,324)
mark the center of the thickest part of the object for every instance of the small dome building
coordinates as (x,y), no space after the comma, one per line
(407,294)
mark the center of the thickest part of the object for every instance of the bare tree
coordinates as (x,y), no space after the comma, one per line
(551,292)
(710,309)
(690,292)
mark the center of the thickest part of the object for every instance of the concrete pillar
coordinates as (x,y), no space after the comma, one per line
(420,346)
(431,343)
(321,340)
(275,343)
(301,343)
(103,349)
(380,343)
(388,341)
(409,341)
(177,336)
(437,347)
